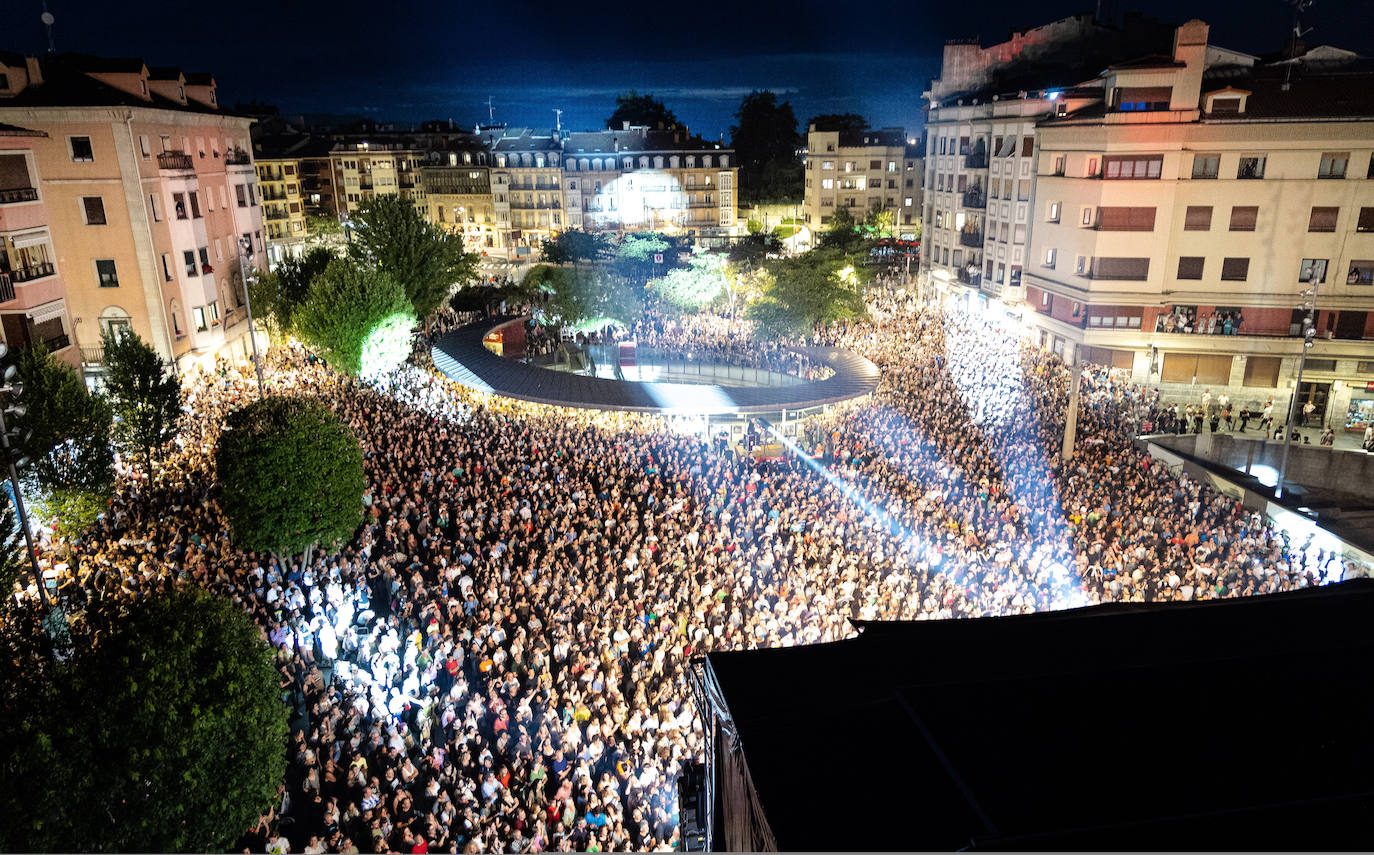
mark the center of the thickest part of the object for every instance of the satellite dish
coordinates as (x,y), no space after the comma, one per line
(47,18)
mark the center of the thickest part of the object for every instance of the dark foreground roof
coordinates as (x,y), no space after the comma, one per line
(1238,724)
(462,356)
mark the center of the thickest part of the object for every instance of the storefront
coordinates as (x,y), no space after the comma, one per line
(1359,414)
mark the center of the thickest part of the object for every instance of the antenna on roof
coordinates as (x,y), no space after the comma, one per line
(47,20)
(558,116)
(491,111)
(1299,6)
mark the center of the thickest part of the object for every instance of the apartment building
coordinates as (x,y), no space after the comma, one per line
(1178,219)
(863,171)
(149,189)
(364,169)
(643,179)
(981,135)
(526,184)
(33,298)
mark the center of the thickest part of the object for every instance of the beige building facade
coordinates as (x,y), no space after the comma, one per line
(150,194)
(861,171)
(1178,220)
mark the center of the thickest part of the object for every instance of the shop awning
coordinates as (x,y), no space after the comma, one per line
(31,238)
(48,311)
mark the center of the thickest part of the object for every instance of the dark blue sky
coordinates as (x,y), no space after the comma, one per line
(407,60)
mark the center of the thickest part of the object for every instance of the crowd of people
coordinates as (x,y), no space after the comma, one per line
(499,660)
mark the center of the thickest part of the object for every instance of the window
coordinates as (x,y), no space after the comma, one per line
(214,311)
(93,207)
(1027,146)
(143,146)
(239,194)
(1243,218)
(875,164)
(195,204)
(1080,265)
(1050,255)
(1086,216)
(1312,268)
(105,272)
(1366,221)
(1052,215)
(1250,167)
(1235,269)
(1121,219)
(1198,218)
(166,267)
(1132,166)
(199,314)
(81,149)
(1333,165)
(1190,267)
(1143,98)
(1361,273)
(1045,299)
(1323,220)
(189,259)
(152,205)
(1058,164)
(1206,165)
(827,164)
(1121,268)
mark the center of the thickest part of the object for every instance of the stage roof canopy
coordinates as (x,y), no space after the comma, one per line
(1238,724)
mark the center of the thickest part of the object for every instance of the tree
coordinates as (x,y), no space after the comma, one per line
(843,233)
(640,110)
(635,255)
(68,439)
(290,474)
(752,249)
(806,291)
(162,730)
(699,283)
(578,295)
(14,556)
(389,233)
(878,222)
(144,395)
(358,317)
(574,247)
(279,293)
(838,122)
(765,143)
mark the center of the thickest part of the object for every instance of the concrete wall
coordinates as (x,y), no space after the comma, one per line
(1350,472)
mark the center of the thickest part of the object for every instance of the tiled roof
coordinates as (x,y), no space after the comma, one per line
(16,131)
(616,142)
(462,356)
(67,83)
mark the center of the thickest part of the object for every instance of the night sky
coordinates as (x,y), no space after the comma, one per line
(409,61)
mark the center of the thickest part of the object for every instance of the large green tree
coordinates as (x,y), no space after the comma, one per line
(635,255)
(160,730)
(575,246)
(145,397)
(65,432)
(701,281)
(814,288)
(278,293)
(290,474)
(766,143)
(389,232)
(843,233)
(640,109)
(586,294)
(357,317)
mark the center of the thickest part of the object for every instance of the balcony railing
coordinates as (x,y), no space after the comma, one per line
(6,288)
(93,355)
(18,194)
(975,198)
(976,161)
(175,160)
(57,342)
(973,239)
(974,279)
(37,271)
(238,157)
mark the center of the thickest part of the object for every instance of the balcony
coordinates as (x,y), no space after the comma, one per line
(977,160)
(57,342)
(974,197)
(18,194)
(176,160)
(973,239)
(96,355)
(974,278)
(6,288)
(28,274)
(364,185)
(238,157)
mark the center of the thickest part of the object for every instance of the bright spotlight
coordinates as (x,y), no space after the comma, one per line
(387,345)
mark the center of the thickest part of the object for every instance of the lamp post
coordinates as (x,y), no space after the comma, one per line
(1309,334)
(246,250)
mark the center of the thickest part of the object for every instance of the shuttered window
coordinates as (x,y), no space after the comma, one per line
(1198,218)
(1235,269)
(1121,268)
(1323,220)
(1243,218)
(1126,219)
(1132,166)
(1190,267)
(1188,367)
(1262,371)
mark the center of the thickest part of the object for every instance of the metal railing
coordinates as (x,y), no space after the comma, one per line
(976,161)
(93,355)
(37,271)
(18,194)
(6,288)
(238,157)
(57,342)
(974,197)
(973,239)
(175,160)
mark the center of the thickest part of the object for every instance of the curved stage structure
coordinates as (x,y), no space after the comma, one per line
(461,356)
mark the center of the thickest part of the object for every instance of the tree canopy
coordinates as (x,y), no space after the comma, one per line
(574,246)
(765,143)
(696,285)
(162,730)
(144,394)
(357,317)
(580,294)
(390,234)
(290,474)
(838,122)
(634,257)
(14,556)
(277,294)
(806,291)
(843,233)
(640,109)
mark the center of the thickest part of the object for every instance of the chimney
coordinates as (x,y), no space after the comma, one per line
(1190,48)
(35,71)
(625,126)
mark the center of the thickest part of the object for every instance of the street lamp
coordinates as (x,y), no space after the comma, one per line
(245,251)
(1309,335)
